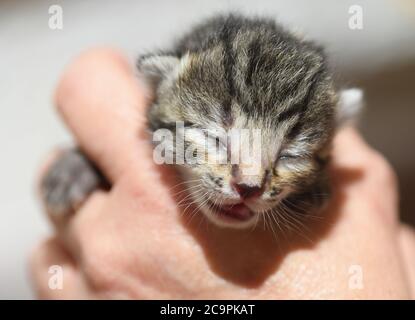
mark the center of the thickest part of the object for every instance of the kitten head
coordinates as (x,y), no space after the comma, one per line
(258,110)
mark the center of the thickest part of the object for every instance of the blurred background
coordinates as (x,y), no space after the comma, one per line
(379,57)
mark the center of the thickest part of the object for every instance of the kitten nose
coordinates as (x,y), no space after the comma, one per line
(246,191)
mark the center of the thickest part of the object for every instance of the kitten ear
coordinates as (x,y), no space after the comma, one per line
(156,68)
(349,106)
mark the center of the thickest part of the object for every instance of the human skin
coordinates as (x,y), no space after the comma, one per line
(134,241)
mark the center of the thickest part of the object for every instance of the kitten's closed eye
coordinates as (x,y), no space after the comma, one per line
(292,162)
(288,156)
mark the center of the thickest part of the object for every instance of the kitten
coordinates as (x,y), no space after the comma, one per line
(229,73)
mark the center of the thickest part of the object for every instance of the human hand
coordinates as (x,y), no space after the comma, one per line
(135,242)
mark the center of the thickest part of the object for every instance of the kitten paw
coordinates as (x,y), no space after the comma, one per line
(68,182)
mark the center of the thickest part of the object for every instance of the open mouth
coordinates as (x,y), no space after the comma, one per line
(236,212)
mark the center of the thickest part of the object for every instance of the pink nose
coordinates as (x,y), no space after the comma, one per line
(246,191)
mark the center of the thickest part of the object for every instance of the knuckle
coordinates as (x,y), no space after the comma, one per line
(97,267)
(101,261)
(383,169)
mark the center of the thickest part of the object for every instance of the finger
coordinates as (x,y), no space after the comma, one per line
(69,249)
(407,246)
(349,148)
(102,104)
(69,231)
(364,174)
(54,274)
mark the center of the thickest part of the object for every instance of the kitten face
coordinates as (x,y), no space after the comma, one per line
(233,194)
(247,76)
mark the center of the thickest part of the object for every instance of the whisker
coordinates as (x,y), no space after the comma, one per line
(184,182)
(190,195)
(297,225)
(194,200)
(198,207)
(305,215)
(198,187)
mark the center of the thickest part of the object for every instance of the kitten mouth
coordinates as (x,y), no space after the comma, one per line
(235,212)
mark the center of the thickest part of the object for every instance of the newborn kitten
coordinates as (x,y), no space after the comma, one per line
(233,72)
